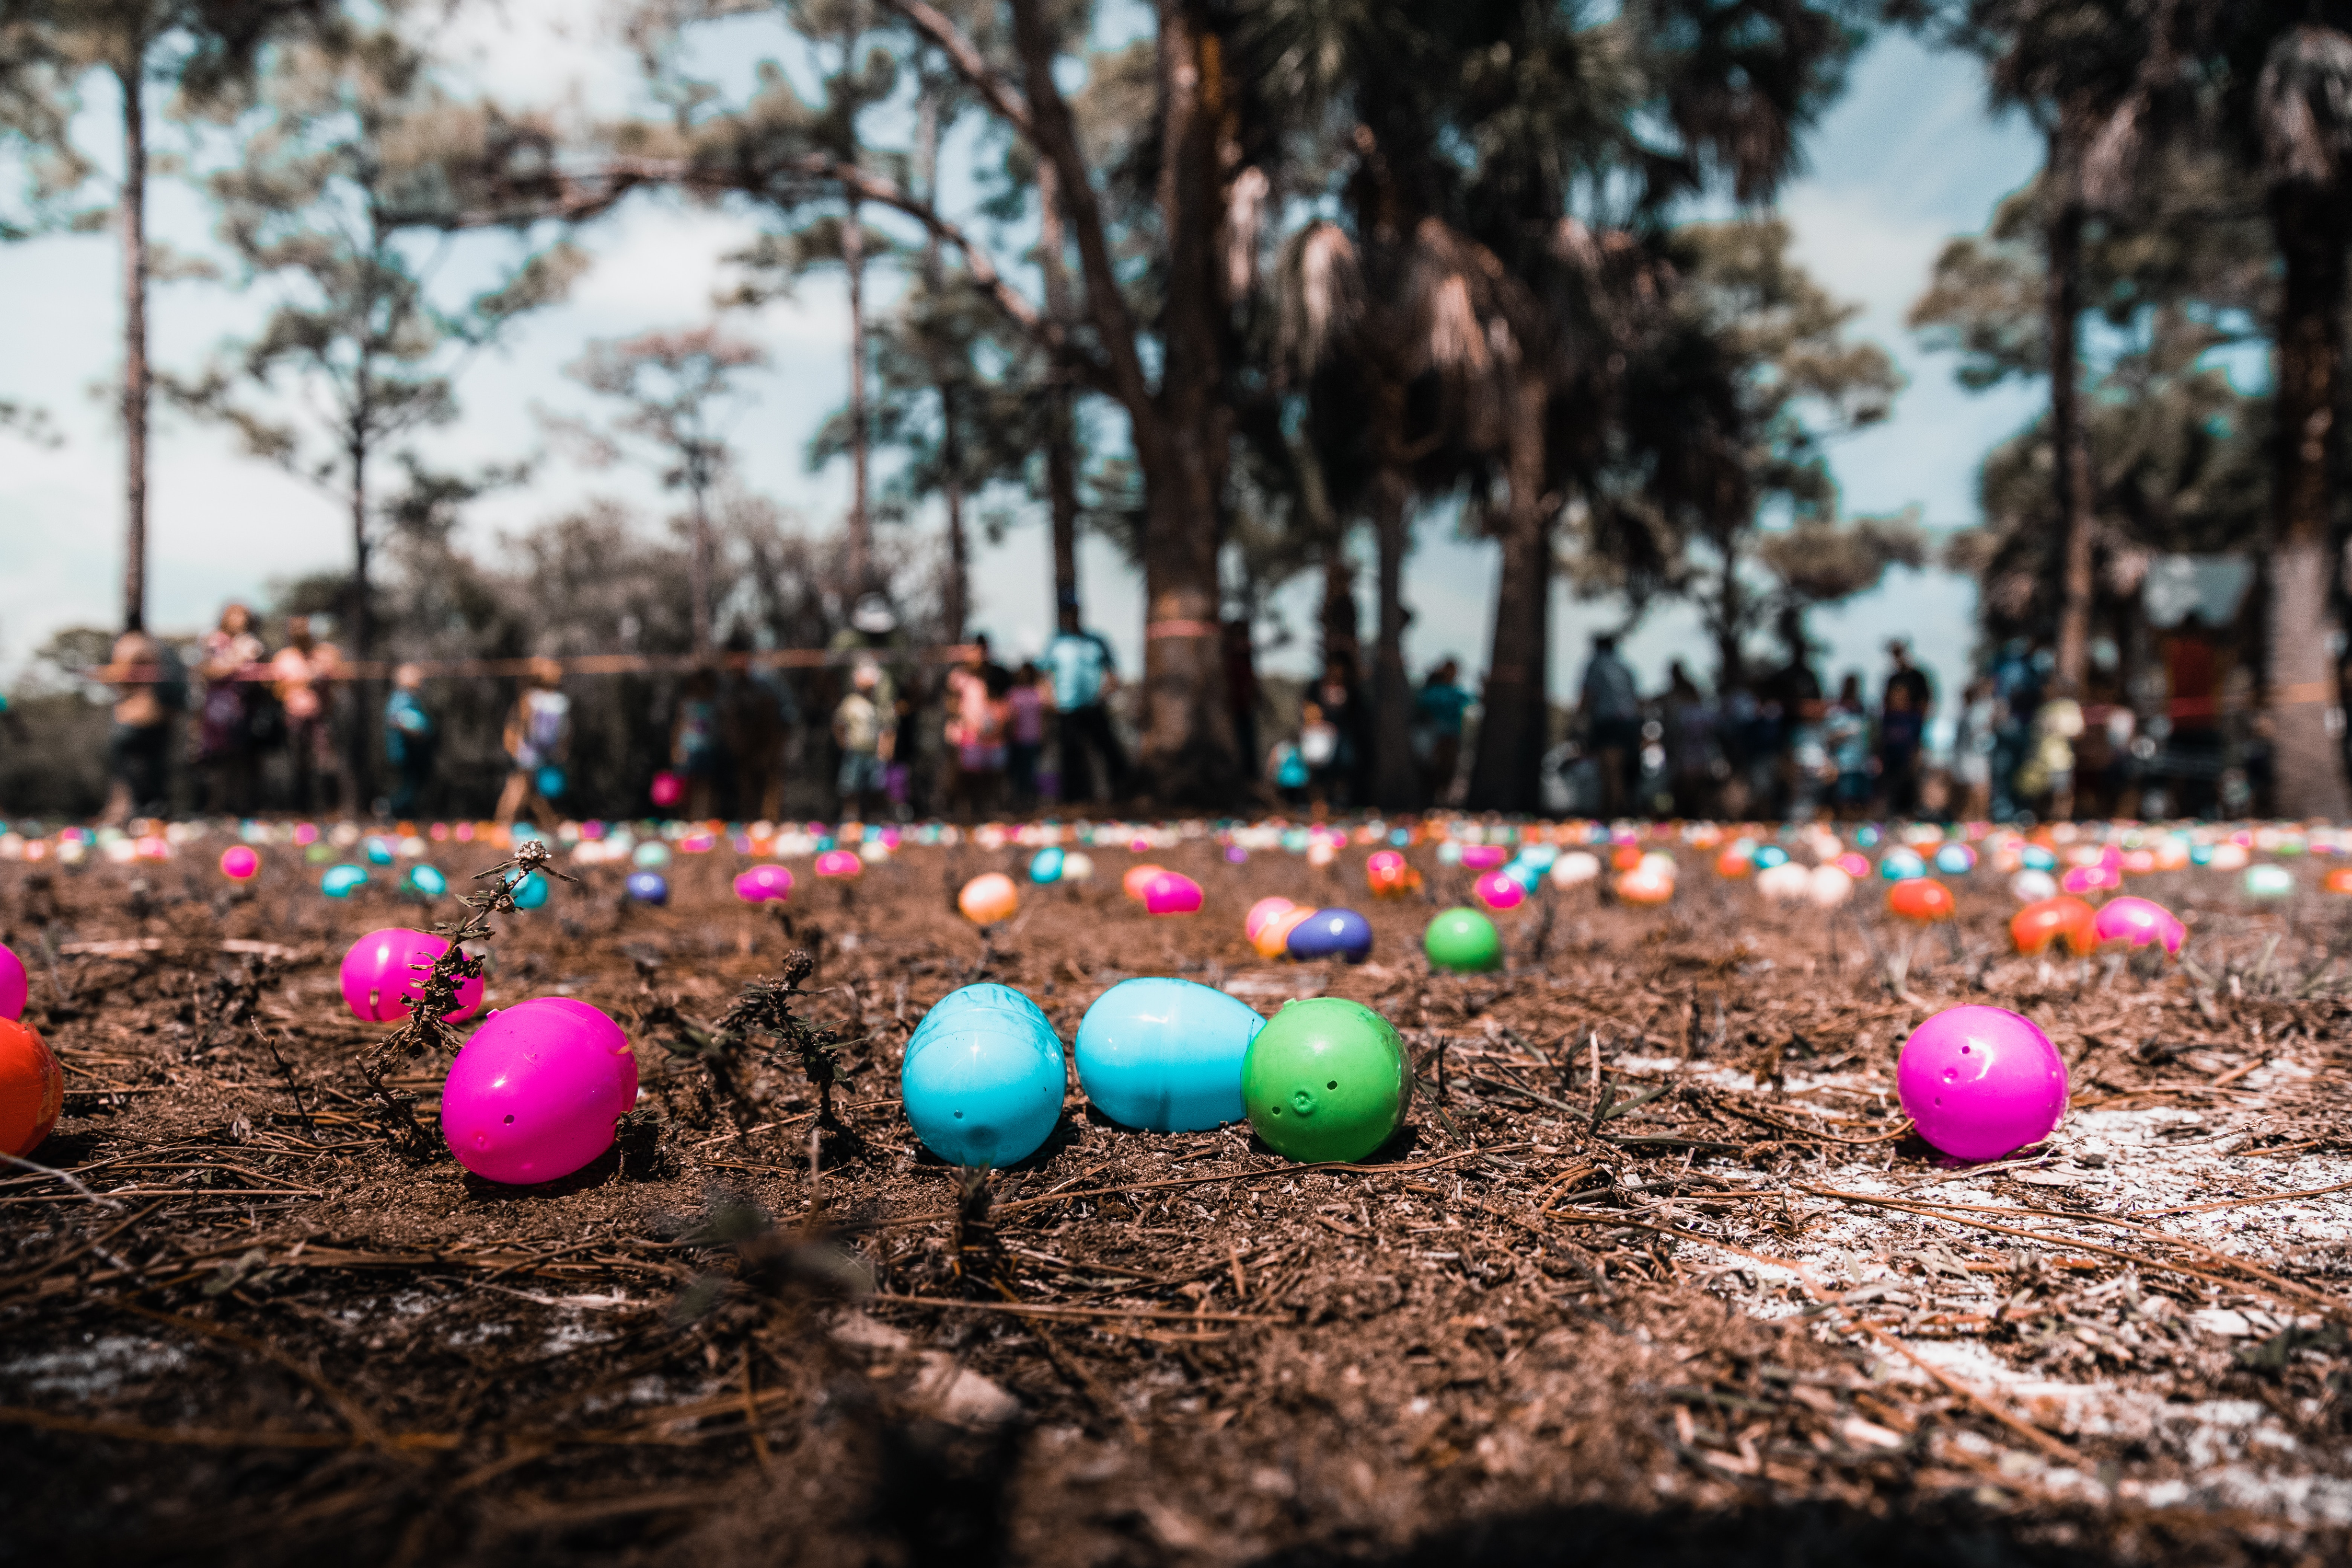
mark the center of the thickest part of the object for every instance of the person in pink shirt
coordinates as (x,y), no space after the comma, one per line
(1024,734)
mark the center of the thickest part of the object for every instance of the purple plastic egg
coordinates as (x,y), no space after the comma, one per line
(2138,923)
(534,1094)
(384,971)
(13,987)
(1981,1082)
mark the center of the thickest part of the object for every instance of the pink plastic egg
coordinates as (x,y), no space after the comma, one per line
(12,986)
(384,971)
(839,863)
(2081,879)
(238,863)
(1171,893)
(1499,891)
(2137,923)
(1482,856)
(1981,1082)
(1262,912)
(536,1091)
(668,790)
(761,883)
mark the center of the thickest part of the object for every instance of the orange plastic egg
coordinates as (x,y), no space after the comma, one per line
(1731,863)
(32,1089)
(1645,885)
(988,899)
(1137,878)
(1273,938)
(2046,921)
(1625,857)
(2339,880)
(1920,899)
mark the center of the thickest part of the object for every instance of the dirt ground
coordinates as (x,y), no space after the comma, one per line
(1654,1274)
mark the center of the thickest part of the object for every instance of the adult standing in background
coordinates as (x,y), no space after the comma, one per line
(1082,679)
(295,674)
(1903,709)
(761,715)
(1439,709)
(150,685)
(226,735)
(411,742)
(1693,751)
(1611,706)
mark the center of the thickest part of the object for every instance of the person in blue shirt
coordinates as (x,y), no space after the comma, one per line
(1438,711)
(1081,678)
(410,741)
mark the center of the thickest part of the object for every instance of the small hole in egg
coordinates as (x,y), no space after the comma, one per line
(958,1115)
(1333,1084)
(510,1119)
(1963,1050)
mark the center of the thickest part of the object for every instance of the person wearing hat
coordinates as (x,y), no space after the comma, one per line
(1081,678)
(872,633)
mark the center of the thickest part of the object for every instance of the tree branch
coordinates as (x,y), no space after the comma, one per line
(984,80)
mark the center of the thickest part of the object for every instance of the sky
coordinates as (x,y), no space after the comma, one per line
(1906,159)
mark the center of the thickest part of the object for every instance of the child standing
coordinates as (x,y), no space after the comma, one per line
(537,740)
(410,740)
(857,730)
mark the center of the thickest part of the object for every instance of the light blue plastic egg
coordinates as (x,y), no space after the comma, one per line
(1046,866)
(2200,855)
(342,881)
(1527,873)
(2034,857)
(1768,856)
(1865,836)
(530,892)
(427,880)
(1955,860)
(379,851)
(653,852)
(1166,1055)
(1900,864)
(1401,837)
(1449,853)
(984,1077)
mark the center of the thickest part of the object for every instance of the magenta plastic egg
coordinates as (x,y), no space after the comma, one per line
(1482,856)
(1981,1082)
(1171,893)
(1262,913)
(12,986)
(761,883)
(2137,923)
(384,971)
(2081,879)
(534,1094)
(238,863)
(668,789)
(839,863)
(1499,891)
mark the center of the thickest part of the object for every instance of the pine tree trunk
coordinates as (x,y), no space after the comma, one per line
(958,593)
(2312,231)
(2063,304)
(135,378)
(1061,425)
(861,536)
(1396,780)
(698,563)
(1517,719)
(1342,641)
(358,753)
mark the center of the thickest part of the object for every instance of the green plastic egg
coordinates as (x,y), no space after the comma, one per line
(1463,940)
(1326,1079)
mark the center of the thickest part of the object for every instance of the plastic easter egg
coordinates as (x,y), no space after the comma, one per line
(2267,881)
(2046,921)
(2093,878)
(531,891)
(840,863)
(763,883)
(2030,885)
(1482,857)
(534,1095)
(1262,911)
(15,985)
(1768,856)
(1625,857)
(1046,866)
(1645,885)
(1900,864)
(32,1087)
(1733,864)
(989,898)
(648,887)
(667,789)
(1165,1054)
(342,881)
(1920,899)
(2339,879)
(1077,865)
(2229,858)
(383,972)
(1332,933)
(239,863)
(1955,860)
(427,881)
(2035,857)
(1786,883)
(650,855)
(984,1077)
(1528,874)
(1137,878)
(1390,875)
(1449,853)
(1981,1082)
(1273,938)
(1463,940)
(1322,853)
(378,850)
(1171,893)
(1829,886)
(2138,922)
(1499,891)
(1326,1079)
(2138,862)
(1854,865)
(1575,868)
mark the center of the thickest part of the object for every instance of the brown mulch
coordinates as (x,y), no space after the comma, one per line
(1653,1273)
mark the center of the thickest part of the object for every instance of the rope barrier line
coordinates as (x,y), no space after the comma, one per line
(574,664)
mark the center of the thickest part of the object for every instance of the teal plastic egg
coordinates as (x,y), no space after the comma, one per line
(1166,1055)
(984,1077)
